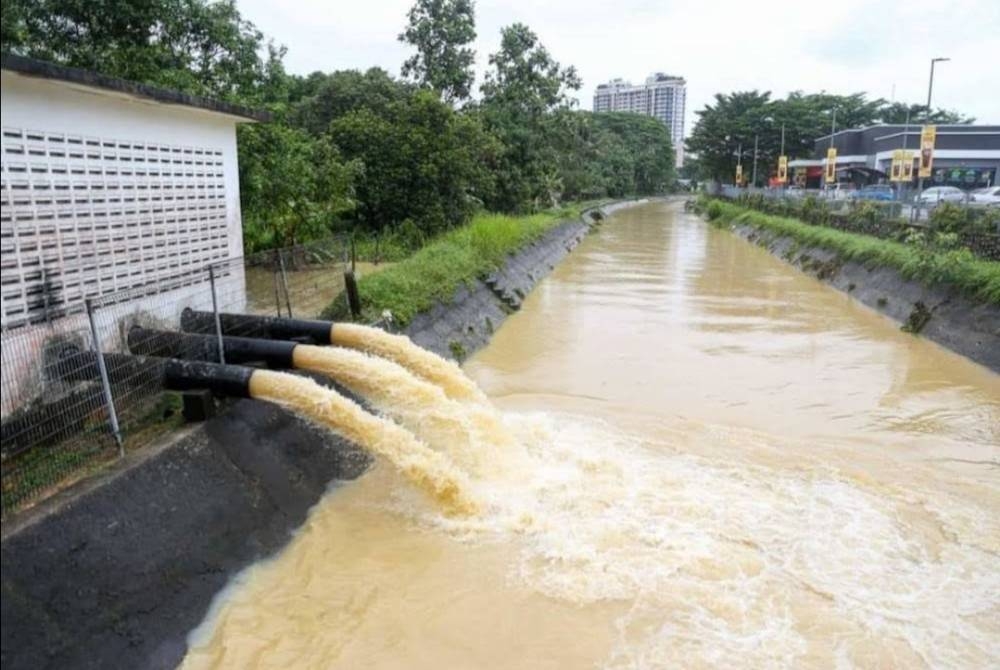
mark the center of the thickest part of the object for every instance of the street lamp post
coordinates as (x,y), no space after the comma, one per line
(930,92)
(930,84)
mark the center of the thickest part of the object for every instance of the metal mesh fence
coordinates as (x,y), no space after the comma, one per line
(62,417)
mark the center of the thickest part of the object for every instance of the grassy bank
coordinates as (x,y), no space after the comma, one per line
(459,256)
(919,260)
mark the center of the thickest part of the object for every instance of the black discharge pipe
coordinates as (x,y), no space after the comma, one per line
(304,331)
(276,354)
(126,371)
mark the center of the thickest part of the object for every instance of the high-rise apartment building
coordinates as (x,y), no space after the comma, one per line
(662,96)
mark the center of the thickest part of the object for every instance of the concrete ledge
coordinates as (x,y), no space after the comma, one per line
(969,328)
(115,575)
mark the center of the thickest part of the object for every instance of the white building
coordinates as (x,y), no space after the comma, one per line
(661,96)
(108,186)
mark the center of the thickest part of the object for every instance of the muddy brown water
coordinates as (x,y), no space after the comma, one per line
(696,457)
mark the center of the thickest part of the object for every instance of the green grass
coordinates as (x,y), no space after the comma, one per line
(454,258)
(977,278)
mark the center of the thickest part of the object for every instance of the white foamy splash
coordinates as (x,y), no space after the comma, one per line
(735,564)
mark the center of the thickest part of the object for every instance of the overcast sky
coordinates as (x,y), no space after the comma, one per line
(842,46)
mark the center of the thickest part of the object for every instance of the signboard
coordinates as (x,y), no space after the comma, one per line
(831,165)
(739,174)
(782,169)
(907,175)
(927,136)
(896,171)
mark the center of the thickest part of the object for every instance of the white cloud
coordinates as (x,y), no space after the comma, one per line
(840,47)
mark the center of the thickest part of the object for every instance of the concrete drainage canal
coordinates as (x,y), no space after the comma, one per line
(678,451)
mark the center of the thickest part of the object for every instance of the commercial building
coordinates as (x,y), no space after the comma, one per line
(662,96)
(966,156)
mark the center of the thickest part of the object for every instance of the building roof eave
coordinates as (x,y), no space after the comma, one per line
(32,67)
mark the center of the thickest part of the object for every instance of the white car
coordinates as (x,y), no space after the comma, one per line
(938,194)
(989,196)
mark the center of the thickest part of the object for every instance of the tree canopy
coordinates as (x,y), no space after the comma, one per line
(365,149)
(441,31)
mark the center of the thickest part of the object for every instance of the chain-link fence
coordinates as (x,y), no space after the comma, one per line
(66,410)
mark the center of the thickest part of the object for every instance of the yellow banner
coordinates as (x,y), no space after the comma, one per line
(739,174)
(782,169)
(831,165)
(896,171)
(907,166)
(927,137)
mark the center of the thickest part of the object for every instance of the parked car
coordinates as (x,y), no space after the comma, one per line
(989,196)
(878,192)
(939,194)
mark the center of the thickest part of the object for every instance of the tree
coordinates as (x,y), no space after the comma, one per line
(525,76)
(898,112)
(294,186)
(524,85)
(441,31)
(647,143)
(195,46)
(423,162)
(330,96)
(726,127)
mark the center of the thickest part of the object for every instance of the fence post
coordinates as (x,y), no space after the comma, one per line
(215,311)
(353,298)
(277,291)
(284,283)
(105,381)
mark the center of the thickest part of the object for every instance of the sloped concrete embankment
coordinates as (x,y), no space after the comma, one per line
(115,576)
(460,326)
(939,313)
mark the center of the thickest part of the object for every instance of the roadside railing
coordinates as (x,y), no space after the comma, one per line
(62,416)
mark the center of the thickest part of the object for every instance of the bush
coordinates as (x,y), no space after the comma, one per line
(951,218)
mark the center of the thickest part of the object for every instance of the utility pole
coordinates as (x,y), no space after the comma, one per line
(754,178)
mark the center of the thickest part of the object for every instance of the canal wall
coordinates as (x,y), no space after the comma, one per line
(117,571)
(457,327)
(939,313)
